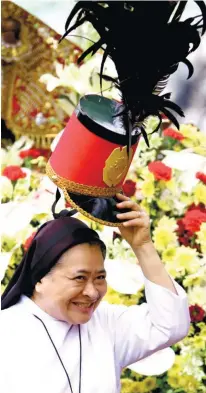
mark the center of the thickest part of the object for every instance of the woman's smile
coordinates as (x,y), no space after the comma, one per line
(84,307)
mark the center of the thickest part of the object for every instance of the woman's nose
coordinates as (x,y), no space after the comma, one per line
(91,291)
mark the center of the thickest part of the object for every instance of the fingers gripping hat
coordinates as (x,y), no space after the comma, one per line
(95,151)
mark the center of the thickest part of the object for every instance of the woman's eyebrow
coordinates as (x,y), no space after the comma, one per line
(88,272)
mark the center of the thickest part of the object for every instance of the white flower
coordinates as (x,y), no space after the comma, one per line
(184,160)
(188,163)
(107,234)
(123,276)
(192,362)
(23,143)
(155,364)
(16,216)
(82,79)
(10,156)
(6,188)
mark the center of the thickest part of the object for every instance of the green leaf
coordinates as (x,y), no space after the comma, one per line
(67,98)
(27,162)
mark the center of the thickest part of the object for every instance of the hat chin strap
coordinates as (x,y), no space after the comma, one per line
(63,213)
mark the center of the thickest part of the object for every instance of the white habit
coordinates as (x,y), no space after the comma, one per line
(115,337)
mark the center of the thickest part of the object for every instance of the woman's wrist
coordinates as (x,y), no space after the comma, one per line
(148,258)
(144,248)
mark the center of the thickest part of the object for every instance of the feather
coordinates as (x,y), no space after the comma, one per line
(201,5)
(94,48)
(190,68)
(146,41)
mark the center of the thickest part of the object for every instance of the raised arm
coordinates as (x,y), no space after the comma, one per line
(139,331)
(136,232)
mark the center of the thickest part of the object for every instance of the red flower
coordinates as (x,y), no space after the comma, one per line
(67,204)
(201,176)
(13,172)
(28,241)
(173,134)
(193,220)
(129,188)
(160,170)
(196,313)
(33,153)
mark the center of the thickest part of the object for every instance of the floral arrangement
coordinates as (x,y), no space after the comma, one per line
(169,181)
(26,197)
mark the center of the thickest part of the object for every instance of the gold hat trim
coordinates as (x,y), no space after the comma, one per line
(83,189)
(88,215)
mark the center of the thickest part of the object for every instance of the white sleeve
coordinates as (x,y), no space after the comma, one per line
(138,331)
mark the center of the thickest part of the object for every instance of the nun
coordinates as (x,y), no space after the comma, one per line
(58,336)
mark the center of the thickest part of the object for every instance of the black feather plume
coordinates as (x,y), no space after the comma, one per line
(146,41)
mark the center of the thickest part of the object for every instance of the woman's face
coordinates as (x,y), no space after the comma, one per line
(75,286)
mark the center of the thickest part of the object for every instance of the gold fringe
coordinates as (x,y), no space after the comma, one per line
(81,189)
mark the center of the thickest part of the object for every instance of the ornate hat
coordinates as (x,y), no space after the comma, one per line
(95,150)
(90,161)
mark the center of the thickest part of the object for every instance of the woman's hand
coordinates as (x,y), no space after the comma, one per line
(136,223)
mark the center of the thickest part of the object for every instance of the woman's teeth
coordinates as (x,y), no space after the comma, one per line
(83,305)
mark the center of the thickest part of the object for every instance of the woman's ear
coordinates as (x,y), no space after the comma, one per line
(38,287)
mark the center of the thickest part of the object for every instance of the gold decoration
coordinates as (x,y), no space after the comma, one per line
(116,166)
(24,61)
(78,188)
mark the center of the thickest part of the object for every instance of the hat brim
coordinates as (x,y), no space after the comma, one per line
(100,209)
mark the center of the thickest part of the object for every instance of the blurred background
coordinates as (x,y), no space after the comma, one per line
(190,95)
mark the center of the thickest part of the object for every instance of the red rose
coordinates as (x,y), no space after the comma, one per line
(193,220)
(33,153)
(196,313)
(13,172)
(173,134)
(201,176)
(160,170)
(28,241)
(129,188)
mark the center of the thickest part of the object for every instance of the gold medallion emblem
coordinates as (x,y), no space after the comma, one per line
(116,166)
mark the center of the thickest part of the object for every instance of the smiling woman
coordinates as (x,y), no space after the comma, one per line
(54,325)
(75,286)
